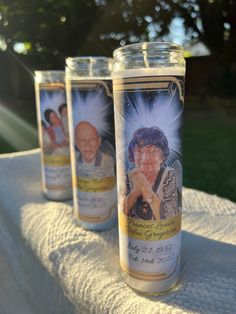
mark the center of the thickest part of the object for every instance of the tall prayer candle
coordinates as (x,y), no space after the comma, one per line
(148,87)
(53,134)
(90,99)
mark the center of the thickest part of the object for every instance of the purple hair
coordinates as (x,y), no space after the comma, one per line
(148,136)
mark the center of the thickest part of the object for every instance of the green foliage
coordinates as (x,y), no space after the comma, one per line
(57,29)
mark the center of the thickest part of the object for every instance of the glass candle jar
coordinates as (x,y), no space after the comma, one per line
(90,99)
(148,88)
(53,134)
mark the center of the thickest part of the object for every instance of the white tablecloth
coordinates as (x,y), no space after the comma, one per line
(84,265)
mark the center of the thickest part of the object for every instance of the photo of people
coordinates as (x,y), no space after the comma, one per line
(64,118)
(151,188)
(88,143)
(55,130)
(46,138)
(94,152)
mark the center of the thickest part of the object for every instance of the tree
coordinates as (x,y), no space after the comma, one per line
(53,30)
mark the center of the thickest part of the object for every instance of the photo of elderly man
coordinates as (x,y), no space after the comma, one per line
(90,156)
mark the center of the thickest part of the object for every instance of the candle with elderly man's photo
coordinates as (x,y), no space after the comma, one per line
(148,88)
(53,134)
(90,99)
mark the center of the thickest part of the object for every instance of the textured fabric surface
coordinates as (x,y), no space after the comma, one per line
(86,264)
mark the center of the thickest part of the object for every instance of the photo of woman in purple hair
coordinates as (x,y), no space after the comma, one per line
(151,191)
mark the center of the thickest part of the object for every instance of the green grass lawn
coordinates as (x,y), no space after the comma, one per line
(6,147)
(210,153)
(18,129)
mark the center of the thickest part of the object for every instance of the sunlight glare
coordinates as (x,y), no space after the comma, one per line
(15,130)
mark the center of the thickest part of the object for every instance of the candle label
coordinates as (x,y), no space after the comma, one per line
(54,137)
(93,147)
(148,118)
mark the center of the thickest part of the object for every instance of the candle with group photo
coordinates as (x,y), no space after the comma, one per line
(90,99)
(53,134)
(148,87)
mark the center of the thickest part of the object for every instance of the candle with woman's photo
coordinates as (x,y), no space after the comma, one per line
(148,86)
(53,134)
